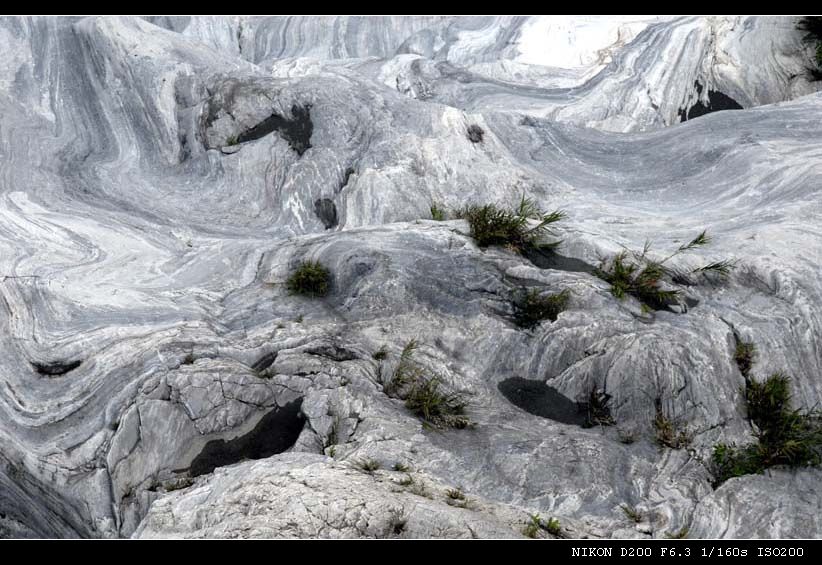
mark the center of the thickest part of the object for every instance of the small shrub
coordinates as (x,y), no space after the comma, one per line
(553,527)
(491,225)
(597,409)
(475,133)
(533,527)
(425,395)
(380,354)
(668,433)
(632,513)
(744,355)
(534,307)
(638,275)
(784,436)
(299,319)
(406,481)
(368,465)
(536,524)
(400,467)
(437,213)
(231,141)
(309,279)
(436,407)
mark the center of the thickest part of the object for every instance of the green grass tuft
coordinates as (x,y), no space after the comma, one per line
(784,436)
(745,355)
(310,278)
(438,213)
(368,465)
(534,307)
(380,354)
(491,225)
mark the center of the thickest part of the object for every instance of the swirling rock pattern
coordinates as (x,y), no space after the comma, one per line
(160,178)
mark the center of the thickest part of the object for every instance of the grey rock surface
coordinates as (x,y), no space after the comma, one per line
(160,179)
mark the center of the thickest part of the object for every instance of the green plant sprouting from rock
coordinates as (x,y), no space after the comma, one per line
(651,281)
(310,278)
(425,393)
(533,307)
(492,225)
(784,435)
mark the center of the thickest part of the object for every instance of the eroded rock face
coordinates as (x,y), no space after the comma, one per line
(161,179)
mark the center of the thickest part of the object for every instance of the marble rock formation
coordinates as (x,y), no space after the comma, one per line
(161,178)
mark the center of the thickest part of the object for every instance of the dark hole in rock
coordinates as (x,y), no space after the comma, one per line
(548,259)
(276,432)
(475,133)
(716,101)
(264,362)
(326,211)
(333,352)
(539,399)
(56,368)
(346,177)
(297,130)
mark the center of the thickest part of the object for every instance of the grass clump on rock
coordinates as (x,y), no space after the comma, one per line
(492,225)
(475,133)
(534,307)
(425,394)
(744,355)
(650,281)
(310,278)
(784,436)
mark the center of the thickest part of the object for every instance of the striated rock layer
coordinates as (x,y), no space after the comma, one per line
(160,178)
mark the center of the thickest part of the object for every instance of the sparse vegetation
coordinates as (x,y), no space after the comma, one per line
(533,527)
(380,354)
(310,278)
(368,465)
(299,319)
(533,307)
(426,399)
(632,513)
(475,133)
(424,394)
(681,534)
(400,467)
(812,26)
(397,521)
(784,436)
(553,527)
(745,355)
(597,409)
(668,432)
(406,481)
(536,524)
(438,213)
(231,140)
(638,275)
(491,225)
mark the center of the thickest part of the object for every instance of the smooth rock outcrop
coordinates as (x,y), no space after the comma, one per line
(160,179)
